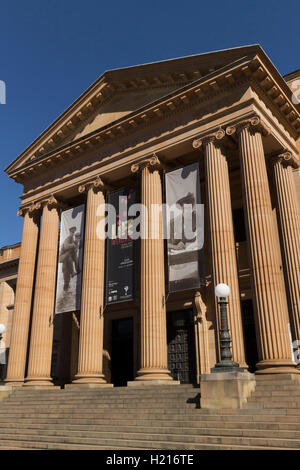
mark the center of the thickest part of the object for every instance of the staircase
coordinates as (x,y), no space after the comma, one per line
(165,418)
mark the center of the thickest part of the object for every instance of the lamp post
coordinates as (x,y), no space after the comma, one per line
(226,364)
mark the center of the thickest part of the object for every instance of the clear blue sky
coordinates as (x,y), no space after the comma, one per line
(52,50)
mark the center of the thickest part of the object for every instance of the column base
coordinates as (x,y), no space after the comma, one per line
(153,375)
(153,382)
(89,379)
(283,366)
(82,385)
(14,382)
(41,382)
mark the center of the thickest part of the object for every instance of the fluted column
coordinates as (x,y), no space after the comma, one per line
(222,244)
(40,353)
(90,357)
(289,223)
(22,308)
(270,301)
(154,360)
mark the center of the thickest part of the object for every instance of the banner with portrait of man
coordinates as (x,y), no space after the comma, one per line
(70,257)
(184,230)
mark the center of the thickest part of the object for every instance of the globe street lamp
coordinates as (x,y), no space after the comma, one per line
(226,364)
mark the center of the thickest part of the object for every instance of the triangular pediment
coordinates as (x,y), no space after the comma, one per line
(120,104)
(119,92)
(122,92)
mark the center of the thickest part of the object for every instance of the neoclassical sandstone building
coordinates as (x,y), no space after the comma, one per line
(234,114)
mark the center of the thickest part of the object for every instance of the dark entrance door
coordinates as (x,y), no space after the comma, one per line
(181,345)
(249,334)
(122,351)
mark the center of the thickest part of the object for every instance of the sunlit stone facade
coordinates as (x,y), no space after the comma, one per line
(232,112)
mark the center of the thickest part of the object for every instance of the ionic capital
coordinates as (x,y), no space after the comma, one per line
(51,203)
(215,136)
(152,163)
(32,210)
(96,184)
(286,159)
(254,122)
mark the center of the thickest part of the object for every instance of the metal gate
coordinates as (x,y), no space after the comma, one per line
(181,345)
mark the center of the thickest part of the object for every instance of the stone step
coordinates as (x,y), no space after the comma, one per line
(254,421)
(275,393)
(98,406)
(98,400)
(33,445)
(150,417)
(98,424)
(275,398)
(153,441)
(107,401)
(150,412)
(277,377)
(278,385)
(146,413)
(143,430)
(272,405)
(106,390)
(24,445)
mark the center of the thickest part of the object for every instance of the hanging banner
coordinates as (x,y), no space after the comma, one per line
(121,247)
(184,230)
(69,273)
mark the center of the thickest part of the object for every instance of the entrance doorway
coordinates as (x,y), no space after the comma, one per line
(181,345)
(249,334)
(122,352)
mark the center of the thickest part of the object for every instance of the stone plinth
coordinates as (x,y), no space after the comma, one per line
(226,389)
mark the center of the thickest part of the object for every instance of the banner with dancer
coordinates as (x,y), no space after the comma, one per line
(184,226)
(70,257)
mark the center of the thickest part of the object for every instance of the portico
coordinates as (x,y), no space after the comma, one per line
(231,112)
